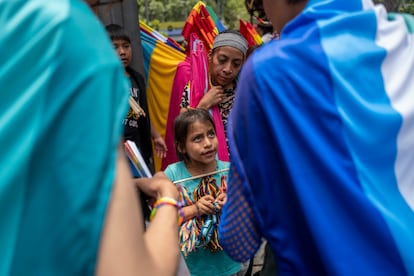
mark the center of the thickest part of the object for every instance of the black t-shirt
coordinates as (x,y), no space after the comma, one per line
(138,128)
(131,120)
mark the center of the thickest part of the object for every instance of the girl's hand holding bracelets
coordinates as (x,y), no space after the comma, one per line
(198,209)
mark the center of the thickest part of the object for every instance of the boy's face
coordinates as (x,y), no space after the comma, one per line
(124,50)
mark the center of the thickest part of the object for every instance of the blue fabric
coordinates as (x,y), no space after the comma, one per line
(203,262)
(62,103)
(376,168)
(317,176)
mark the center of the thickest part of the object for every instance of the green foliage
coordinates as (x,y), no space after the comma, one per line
(233,12)
(172,24)
(155,24)
(407,8)
(164,13)
(230,11)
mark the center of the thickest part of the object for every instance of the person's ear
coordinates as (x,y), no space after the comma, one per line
(181,148)
(210,56)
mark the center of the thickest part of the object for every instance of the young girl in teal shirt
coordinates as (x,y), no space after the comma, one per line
(204,196)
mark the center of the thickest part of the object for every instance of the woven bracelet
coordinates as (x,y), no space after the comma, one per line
(163,201)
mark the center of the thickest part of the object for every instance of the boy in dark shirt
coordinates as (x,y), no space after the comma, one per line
(137,125)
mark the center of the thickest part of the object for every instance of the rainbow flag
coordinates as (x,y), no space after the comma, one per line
(161,58)
(250,34)
(160,37)
(204,23)
(219,25)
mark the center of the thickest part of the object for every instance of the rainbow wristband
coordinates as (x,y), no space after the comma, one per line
(167,201)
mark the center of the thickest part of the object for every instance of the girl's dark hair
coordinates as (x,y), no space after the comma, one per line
(116,32)
(183,122)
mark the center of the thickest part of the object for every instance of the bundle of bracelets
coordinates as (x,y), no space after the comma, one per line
(162,201)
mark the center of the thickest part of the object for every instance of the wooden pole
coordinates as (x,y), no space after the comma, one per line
(200,176)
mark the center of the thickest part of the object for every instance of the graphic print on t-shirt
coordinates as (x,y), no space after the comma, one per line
(131,119)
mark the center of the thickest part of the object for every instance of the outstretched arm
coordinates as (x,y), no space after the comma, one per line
(125,248)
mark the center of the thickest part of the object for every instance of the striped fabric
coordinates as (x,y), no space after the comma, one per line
(250,34)
(161,58)
(204,23)
(327,176)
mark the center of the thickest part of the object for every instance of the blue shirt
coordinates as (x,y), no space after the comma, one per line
(321,144)
(62,103)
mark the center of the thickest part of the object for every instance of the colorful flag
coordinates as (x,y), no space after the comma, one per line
(200,22)
(161,58)
(250,34)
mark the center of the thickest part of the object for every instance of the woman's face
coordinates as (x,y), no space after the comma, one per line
(225,64)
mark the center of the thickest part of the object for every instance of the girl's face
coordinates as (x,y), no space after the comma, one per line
(225,64)
(124,50)
(200,144)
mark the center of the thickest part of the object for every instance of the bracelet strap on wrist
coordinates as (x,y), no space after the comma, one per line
(163,201)
(166,201)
